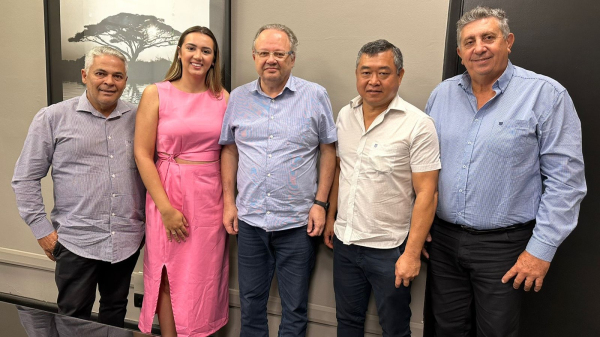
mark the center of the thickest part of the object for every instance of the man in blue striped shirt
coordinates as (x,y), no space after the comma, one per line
(97,224)
(274,129)
(511,183)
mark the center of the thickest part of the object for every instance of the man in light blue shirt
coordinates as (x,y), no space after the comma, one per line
(273,131)
(511,183)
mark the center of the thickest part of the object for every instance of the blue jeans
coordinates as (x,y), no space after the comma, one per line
(291,254)
(357,270)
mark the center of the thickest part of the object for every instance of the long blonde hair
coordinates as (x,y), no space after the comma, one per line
(213,76)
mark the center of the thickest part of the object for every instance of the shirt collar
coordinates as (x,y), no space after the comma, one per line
(84,105)
(290,84)
(397,104)
(500,84)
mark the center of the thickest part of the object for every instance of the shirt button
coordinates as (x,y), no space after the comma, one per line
(113,214)
(469,143)
(111,156)
(476,120)
(268,212)
(109,137)
(459,213)
(113,175)
(460,191)
(114,195)
(272,117)
(112,233)
(272,100)
(268,194)
(268,174)
(270,156)
(464,166)
(271,136)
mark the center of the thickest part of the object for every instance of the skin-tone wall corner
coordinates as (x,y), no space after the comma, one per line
(330,33)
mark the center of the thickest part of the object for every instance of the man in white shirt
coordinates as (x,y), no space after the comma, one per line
(385,186)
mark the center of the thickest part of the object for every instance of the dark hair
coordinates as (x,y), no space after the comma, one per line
(213,77)
(379,46)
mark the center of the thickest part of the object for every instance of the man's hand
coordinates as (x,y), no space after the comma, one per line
(407,268)
(529,269)
(316,220)
(328,233)
(424,250)
(48,243)
(230,219)
(175,225)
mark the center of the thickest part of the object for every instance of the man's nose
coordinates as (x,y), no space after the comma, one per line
(109,80)
(374,79)
(480,47)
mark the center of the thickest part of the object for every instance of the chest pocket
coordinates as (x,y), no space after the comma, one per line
(511,138)
(384,158)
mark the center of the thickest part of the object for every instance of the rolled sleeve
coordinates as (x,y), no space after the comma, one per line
(424,151)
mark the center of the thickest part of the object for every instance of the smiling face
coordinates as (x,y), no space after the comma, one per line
(105,82)
(377,79)
(484,50)
(273,71)
(197,55)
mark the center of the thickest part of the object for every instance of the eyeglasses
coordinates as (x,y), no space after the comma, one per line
(278,55)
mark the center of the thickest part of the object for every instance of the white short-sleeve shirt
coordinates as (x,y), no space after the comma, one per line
(376,195)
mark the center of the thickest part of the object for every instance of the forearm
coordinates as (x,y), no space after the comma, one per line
(422,217)
(333,194)
(327,164)
(31,207)
(229,166)
(151,180)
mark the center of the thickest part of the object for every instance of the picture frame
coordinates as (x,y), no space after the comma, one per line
(73,27)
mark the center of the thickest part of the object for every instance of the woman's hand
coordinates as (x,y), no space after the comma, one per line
(175,224)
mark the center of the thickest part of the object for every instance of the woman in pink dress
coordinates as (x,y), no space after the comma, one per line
(186,261)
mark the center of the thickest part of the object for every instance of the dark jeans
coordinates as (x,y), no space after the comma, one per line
(76,278)
(464,280)
(291,254)
(357,270)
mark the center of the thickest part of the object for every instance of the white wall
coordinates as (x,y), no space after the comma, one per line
(330,34)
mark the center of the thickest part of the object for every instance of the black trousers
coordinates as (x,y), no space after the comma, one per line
(77,277)
(464,276)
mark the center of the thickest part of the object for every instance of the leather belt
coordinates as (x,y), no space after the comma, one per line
(472,230)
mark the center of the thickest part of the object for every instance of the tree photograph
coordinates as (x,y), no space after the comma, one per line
(145,31)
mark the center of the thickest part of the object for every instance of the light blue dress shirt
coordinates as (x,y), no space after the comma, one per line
(516,159)
(278,143)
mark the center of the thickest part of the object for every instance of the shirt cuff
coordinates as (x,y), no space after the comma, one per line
(541,250)
(42,228)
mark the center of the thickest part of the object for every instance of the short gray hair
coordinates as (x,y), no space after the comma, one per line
(481,12)
(103,50)
(380,46)
(282,28)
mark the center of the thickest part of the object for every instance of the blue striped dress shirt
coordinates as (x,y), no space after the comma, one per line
(516,159)
(99,197)
(278,143)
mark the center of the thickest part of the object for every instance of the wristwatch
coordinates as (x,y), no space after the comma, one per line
(322,204)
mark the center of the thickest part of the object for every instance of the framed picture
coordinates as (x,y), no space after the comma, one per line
(145,31)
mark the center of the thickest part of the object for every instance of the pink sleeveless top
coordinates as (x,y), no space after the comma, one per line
(189,124)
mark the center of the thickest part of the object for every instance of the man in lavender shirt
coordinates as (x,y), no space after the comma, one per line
(97,224)
(273,131)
